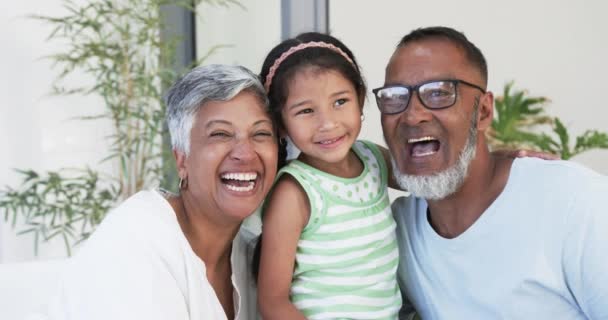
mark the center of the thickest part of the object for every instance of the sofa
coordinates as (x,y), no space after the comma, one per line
(26,288)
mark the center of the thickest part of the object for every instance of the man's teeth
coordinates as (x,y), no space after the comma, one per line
(249,187)
(428,153)
(240,176)
(427,138)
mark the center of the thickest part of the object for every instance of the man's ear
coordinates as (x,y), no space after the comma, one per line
(180,163)
(486,111)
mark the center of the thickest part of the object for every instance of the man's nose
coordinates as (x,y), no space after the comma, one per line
(416,112)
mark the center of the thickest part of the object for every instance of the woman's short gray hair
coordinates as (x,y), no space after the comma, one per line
(215,82)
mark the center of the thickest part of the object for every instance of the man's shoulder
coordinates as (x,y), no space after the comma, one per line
(567,185)
(559,172)
(406,208)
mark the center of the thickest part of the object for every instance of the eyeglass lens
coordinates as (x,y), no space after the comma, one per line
(433,95)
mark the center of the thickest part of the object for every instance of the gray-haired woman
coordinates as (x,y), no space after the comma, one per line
(161,256)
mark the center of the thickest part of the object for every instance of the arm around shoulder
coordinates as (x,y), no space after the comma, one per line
(392,183)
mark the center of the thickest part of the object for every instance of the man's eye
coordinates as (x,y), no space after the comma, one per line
(439,93)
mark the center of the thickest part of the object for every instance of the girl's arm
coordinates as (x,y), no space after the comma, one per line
(285,216)
(389,165)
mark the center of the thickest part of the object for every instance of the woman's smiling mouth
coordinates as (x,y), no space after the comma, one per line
(240,181)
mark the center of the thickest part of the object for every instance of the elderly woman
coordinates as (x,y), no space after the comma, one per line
(160,256)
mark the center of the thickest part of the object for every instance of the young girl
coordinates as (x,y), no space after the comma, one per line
(328,241)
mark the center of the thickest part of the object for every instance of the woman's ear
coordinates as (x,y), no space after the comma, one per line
(180,163)
(486,111)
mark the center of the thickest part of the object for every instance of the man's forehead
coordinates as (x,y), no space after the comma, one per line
(425,60)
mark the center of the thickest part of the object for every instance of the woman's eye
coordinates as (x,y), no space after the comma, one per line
(263,134)
(220,134)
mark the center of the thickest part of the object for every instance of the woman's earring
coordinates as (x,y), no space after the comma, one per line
(282,142)
(183,183)
(362,117)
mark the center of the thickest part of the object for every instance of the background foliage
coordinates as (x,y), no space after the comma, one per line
(520,122)
(121,46)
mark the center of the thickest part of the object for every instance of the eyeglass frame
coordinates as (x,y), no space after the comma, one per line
(415,88)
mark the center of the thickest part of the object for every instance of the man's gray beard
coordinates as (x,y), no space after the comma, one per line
(442,184)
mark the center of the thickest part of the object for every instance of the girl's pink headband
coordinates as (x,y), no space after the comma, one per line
(292,50)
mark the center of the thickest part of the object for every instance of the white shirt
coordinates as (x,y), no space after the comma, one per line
(139,265)
(540,251)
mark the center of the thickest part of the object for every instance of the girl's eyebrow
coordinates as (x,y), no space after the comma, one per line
(340,93)
(298,104)
(308,101)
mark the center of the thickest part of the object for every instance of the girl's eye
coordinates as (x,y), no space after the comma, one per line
(304,111)
(340,102)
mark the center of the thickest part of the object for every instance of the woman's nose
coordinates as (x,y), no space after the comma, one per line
(243,150)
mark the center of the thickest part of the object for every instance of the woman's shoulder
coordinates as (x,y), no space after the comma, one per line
(143,222)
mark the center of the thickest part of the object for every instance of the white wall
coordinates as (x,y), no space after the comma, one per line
(250,32)
(556,49)
(35,129)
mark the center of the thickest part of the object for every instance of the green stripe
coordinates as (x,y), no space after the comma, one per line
(360,292)
(354,213)
(338,251)
(380,252)
(360,273)
(396,304)
(387,223)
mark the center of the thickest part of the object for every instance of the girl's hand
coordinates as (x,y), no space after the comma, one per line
(526,153)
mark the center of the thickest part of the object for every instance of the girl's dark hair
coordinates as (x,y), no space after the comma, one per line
(324,59)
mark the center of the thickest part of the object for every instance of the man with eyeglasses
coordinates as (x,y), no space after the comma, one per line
(484,236)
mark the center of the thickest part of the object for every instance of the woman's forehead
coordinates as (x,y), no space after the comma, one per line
(243,109)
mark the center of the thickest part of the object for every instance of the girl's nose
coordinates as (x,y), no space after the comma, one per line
(327,121)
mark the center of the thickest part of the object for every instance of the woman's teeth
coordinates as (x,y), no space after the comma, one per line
(240,182)
(249,187)
(240,176)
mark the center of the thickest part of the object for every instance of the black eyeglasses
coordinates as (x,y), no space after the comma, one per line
(435,94)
